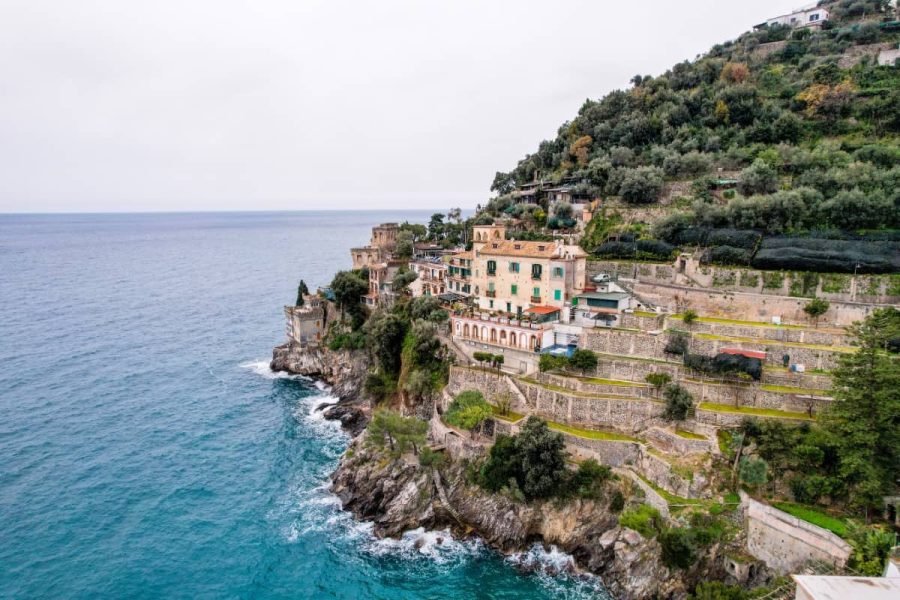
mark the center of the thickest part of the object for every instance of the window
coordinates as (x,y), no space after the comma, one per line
(558,272)
(557,294)
(536,271)
(514,289)
(490,304)
(509,307)
(513,267)
(490,286)
(491,267)
(814,17)
(536,292)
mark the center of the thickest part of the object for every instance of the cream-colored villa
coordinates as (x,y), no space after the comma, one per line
(512,276)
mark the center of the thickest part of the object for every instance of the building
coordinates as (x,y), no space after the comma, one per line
(824,587)
(381,283)
(512,276)
(306,324)
(812,16)
(431,277)
(601,308)
(381,245)
(459,273)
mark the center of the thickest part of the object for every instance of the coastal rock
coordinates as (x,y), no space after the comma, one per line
(398,495)
(353,418)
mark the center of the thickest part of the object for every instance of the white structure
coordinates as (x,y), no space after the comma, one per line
(821,587)
(812,16)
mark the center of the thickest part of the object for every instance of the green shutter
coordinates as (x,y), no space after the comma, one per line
(514,290)
(557,294)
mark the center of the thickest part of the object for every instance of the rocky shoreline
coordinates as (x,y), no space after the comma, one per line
(398,495)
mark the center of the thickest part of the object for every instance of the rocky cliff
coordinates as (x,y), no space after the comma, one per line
(398,494)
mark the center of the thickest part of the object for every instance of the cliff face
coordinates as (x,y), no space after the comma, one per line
(398,495)
(344,370)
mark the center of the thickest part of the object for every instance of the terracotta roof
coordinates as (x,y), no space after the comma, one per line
(516,248)
(542,310)
(463,255)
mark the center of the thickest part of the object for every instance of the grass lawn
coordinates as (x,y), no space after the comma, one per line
(510,416)
(591,433)
(754,412)
(786,389)
(667,496)
(563,390)
(816,517)
(689,435)
(644,313)
(738,322)
(601,381)
(765,342)
(644,359)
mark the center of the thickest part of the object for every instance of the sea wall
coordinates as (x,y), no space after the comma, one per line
(787,543)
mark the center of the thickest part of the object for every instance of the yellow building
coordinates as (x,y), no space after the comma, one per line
(512,276)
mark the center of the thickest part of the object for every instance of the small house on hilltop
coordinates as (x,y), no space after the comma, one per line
(811,16)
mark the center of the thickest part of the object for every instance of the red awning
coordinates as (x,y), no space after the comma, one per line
(542,310)
(747,353)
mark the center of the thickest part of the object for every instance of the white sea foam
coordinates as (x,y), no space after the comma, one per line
(437,546)
(261,368)
(557,572)
(541,560)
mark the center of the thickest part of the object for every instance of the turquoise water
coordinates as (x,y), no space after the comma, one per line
(146,451)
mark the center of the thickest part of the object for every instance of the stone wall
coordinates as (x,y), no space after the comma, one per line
(671,442)
(599,389)
(786,543)
(774,333)
(732,420)
(493,387)
(661,474)
(753,396)
(625,415)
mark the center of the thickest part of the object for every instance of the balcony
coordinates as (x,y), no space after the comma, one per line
(536,276)
(491,273)
(491,293)
(535,299)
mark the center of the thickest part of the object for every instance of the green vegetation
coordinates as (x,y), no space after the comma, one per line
(532,465)
(592,434)
(468,410)
(689,435)
(658,380)
(398,433)
(815,308)
(816,517)
(644,519)
(753,471)
(678,402)
(582,360)
(754,412)
(786,389)
(302,291)
(616,382)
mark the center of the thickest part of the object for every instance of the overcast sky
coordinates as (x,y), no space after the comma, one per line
(155,105)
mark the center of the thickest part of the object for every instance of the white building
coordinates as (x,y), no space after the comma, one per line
(812,16)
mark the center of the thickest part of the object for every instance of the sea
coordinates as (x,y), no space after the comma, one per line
(146,449)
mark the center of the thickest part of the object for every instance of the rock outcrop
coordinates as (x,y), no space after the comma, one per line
(397,495)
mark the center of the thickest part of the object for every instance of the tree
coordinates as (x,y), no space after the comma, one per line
(689,317)
(864,418)
(503,183)
(658,381)
(302,291)
(642,185)
(543,458)
(436,227)
(420,385)
(753,471)
(348,288)
(385,333)
(468,410)
(404,247)
(815,308)
(716,590)
(398,432)
(584,360)
(551,362)
(678,402)
(403,279)
(758,178)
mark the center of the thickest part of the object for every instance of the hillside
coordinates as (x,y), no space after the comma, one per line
(778,150)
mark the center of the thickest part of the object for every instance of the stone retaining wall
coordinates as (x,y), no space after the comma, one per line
(764,333)
(753,396)
(599,389)
(787,543)
(732,420)
(669,441)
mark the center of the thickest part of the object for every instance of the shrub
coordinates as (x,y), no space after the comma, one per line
(430,458)
(534,459)
(758,178)
(642,185)
(716,590)
(644,519)
(617,502)
(678,402)
(585,360)
(678,550)
(502,465)
(552,362)
(399,433)
(753,471)
(468,410)
(589,479)
(677,343)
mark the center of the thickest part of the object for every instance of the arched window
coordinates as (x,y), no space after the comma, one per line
(534,345)
(493,335)
(512,339)
(466,330)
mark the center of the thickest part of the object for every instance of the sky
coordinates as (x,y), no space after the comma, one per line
(120,105)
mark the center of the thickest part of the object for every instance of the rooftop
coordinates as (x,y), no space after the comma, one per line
(542,310)
(821,587)
(604,295)
(529,249)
